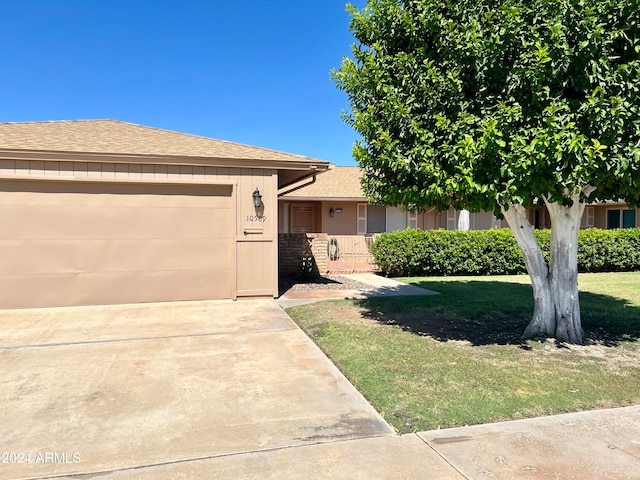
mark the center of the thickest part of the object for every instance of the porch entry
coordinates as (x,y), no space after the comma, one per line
(350,254)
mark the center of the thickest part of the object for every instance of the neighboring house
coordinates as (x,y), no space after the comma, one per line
(103,212)
(335,204)
(613,214)
(605,215)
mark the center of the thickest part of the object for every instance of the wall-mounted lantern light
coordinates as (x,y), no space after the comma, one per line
(257,198)
(331,212)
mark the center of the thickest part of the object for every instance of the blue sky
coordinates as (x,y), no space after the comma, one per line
(246,71)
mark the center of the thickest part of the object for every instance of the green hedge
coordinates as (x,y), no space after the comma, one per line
(495,252)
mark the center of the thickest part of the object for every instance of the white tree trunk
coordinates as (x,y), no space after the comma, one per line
(555,288)
(563,269)
(543,323)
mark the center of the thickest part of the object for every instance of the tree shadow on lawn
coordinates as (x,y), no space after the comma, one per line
(496,312)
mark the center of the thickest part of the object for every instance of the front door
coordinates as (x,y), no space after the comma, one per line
(302,218)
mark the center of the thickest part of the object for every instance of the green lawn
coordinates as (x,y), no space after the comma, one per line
(457,358)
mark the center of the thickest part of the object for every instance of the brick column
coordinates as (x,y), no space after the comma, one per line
(319,242)
(293,248)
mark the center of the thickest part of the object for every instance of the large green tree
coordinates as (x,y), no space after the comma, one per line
(501,105)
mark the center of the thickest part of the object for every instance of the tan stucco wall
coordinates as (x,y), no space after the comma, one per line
(600,216)
(344,223)
(283,207)
(340,224)
(318,218)
(430,220)
(255,240)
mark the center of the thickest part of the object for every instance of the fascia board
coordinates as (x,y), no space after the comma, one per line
(43,155)
(322,199)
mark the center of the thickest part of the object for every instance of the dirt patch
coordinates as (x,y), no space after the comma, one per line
(616,357)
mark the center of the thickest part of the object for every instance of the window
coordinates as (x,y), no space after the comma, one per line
(482,221)
(376,219)
(620,218)
(628,219)
(396,219)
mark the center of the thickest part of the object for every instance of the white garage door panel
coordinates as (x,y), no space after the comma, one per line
(110,243)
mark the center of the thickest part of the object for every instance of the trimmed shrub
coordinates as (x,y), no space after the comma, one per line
(495,252)
(609,250)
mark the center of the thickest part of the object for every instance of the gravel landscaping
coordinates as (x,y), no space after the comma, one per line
(325,282)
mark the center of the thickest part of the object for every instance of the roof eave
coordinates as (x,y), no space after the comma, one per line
(304,163)
(323,199)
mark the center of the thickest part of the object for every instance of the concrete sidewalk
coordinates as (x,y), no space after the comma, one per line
(602,444)
(377,286)
(599,444)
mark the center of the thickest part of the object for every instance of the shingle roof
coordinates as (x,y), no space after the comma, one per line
(339,182)
(116,137)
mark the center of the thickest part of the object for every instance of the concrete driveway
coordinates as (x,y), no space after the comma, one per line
(109,389)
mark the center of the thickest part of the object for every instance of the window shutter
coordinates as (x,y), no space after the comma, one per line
(588,216)
(362,218)
(451,219)
(412,220)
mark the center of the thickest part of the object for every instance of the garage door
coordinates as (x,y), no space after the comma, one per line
(72,243)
